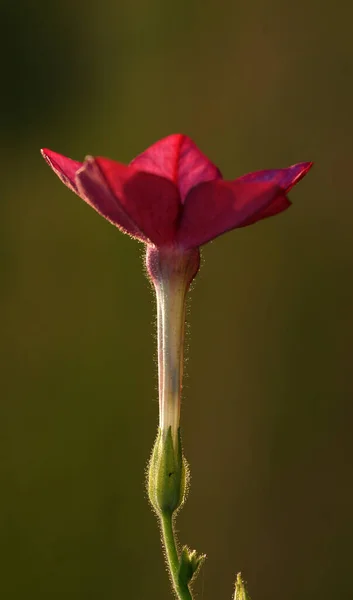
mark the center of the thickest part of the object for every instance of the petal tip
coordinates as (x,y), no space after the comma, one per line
(45,152)
(299,171)
(305,166)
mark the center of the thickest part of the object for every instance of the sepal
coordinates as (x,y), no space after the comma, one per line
(189,564)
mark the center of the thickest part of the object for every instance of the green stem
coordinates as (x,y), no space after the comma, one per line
(168,538)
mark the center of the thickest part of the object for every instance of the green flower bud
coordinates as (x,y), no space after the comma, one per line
(240,591)
(167,474)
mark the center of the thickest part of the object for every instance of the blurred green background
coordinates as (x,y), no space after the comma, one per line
(267,410)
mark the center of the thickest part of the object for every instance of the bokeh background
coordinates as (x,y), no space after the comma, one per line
(267,410)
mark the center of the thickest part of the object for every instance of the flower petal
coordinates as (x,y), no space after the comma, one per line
(96,191)
(178,159)
(144,205)
(278,205)
(217,206)
(65,168)
(285,178)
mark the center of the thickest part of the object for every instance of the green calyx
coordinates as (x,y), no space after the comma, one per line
(167,474)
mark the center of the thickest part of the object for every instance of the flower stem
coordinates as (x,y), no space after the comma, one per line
(169,543)
(171,270)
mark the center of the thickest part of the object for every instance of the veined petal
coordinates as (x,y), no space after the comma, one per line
(65,168)
(142,204)
(178,159)
(285,178)
(218,206)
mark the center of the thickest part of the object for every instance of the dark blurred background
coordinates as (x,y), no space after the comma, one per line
(267,411)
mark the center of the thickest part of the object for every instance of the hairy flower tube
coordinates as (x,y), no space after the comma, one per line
(174,199)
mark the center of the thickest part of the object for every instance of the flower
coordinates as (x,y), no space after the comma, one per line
(174,199)
(172,195)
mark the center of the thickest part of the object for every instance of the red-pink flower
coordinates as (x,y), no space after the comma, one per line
(173,198)
(172,195)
